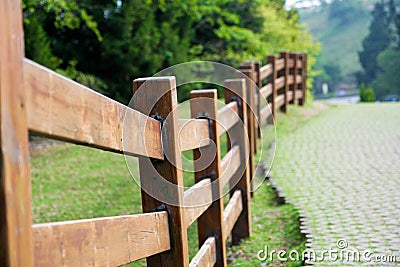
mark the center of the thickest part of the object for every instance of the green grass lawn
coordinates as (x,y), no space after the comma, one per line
(73,182)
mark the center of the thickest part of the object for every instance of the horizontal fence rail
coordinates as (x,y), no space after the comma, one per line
(37,100)
(112,241)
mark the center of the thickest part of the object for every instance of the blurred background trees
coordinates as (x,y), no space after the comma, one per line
(105,44)
(380,56)
(360,44)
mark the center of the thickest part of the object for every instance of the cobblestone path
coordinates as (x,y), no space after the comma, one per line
(342,171)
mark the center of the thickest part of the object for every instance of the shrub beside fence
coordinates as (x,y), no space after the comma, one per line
(37,100)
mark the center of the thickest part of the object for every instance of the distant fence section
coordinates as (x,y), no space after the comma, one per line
(37,100)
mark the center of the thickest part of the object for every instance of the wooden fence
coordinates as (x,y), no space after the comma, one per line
(280,82)
(37,100)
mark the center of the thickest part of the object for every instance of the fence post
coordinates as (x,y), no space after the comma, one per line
(258,81)
(250,118)
(16,237)
(157,98)
(272,60)
(248,69)
(203,104)
(235,91)
(285,56)
(295,72)
(303,58)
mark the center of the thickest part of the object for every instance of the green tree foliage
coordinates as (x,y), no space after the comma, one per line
(366,94)
(377,41)
(384,61)
(105,44)
(388,80)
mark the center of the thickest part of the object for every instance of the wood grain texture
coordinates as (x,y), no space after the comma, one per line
(252,107)
(290,80)
(290,96)
(264,114)
(266,90)
(291,61)
(280,101)
(111,241)
(299,62)
(280,83)
(16,247)
(250,115)
(207,256)
(295,71)
(272,60)
(303,60)
(299,94)
(197,200)
(265,71)
(257,77)
(163,180)
(285,57)
(230,164)
(193,133)
(207,165)
(280,64)
(227,117)
(234,89)
(63,109)
(232,211)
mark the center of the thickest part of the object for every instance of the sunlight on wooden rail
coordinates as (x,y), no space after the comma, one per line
(110,241)
(60,108)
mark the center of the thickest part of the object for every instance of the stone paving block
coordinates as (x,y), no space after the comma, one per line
(342,171)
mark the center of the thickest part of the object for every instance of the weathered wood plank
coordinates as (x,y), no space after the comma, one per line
(280,64)
(280,83)
(63,109)
(266,90)
(272,60)
(258,96)
(162,181)
(229,165)
(290,95)
(207,256)
(299,94)
(227,117)
(265,71)
(232,212)
(290,80)
(196,200)
(300,63)
(264,114)
(285,57)
(294,87)
(193,133)
(241,179)
(280,101)
(110,241)
(291,62)
(303,60)
(251,90)
(207,165)
(251,121)
(16,247)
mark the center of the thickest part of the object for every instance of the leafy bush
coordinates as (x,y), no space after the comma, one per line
(367,94)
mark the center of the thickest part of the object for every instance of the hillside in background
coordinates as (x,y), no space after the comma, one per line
(340,27)
(341,35)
